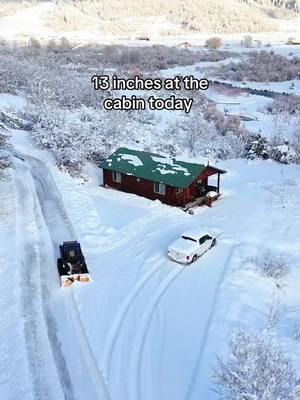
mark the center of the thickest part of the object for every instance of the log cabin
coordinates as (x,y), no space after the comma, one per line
(173,182)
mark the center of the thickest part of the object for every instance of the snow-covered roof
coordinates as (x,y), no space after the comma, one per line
(153,167)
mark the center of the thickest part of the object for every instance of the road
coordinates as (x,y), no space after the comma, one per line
(40,201)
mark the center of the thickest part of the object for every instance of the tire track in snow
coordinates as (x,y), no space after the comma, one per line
(131,232)
(54,214)
(13,350)
(122,313)
(209,321)
(138,347)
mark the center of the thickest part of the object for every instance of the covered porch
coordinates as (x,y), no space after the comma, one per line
(203,191)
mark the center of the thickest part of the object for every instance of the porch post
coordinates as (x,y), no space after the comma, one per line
(218,187)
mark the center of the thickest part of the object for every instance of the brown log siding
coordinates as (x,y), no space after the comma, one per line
(145,188)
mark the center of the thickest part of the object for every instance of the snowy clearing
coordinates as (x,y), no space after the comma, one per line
(138,330)
(145,328)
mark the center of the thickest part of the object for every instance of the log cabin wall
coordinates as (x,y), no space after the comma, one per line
(145,188)
(139,186)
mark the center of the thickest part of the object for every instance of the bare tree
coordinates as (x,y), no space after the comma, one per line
(278,129)
(275,312)
(256,369)
(296,142)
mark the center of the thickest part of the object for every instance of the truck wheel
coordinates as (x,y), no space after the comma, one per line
(60,266)
(194,258)
(213,243)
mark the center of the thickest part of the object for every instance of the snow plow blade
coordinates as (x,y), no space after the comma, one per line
(68,280)
(71,264)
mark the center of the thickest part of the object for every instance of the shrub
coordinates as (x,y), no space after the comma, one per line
(248,41)
(214,43)
(284,153)
(64,43)
(201,137)
(285,104)
(4,158)
(261,66)
(5,163)
(152,58)
(256,369)
(296,143)
(291,40)
(272,265)
(34,44)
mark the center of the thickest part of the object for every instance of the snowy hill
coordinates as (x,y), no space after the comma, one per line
(26,22)
(112,20)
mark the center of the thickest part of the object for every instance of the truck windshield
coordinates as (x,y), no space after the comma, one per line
(189,238)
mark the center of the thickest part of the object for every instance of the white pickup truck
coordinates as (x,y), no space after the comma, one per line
(190,246)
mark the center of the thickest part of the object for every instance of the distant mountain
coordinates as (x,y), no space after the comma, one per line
(293,5)
(175,16)
(129,18)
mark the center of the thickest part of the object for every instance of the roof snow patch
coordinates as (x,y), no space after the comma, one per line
(131,159)
(153,167)
(164,171)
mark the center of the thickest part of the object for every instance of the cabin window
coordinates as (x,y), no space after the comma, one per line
(159,188)
(138,179)
(179,190)
(117,177)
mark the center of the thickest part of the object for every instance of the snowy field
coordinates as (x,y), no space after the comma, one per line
(145,327)
(244,104)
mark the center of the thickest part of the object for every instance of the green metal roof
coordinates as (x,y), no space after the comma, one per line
(153,167)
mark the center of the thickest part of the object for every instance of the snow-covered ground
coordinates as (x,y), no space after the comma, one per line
(247,105)
(27,23)
(161,325)
(145,327)
(254,108)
